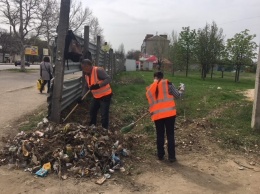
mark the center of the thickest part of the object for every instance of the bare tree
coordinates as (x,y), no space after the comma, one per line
(161,49)
(120,57)
(95,29)
(48,14)
(21,15)
(79,16)
(4,42)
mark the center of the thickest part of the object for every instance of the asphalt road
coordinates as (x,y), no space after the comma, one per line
(19,95)
(12,80)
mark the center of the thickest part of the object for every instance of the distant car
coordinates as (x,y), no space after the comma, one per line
(19,63)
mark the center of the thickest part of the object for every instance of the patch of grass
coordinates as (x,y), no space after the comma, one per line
(220,100)
(32,121)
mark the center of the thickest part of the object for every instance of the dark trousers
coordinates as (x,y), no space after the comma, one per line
(104,104)
(48,85)
(161,125)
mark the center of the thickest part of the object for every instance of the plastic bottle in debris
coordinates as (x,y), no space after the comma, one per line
(116,144)
(69,150)
(125,152)
(115,159)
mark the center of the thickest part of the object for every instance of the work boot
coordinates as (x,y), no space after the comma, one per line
(92,126)
(171,160)
(161,158)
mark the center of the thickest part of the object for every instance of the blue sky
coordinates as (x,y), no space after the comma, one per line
(128,21)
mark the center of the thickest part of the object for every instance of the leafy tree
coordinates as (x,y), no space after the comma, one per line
(216,45)
(186,45)
(241,50)
(209,44)
(133,54)
(175,52)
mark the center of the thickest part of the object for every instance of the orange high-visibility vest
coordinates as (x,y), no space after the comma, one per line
(103,91)
(164,105)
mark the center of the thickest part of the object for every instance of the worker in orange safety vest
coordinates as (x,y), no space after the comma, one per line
(98,82)
(160,95)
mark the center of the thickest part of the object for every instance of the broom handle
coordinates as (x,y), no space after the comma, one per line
(76,106)
(141,117)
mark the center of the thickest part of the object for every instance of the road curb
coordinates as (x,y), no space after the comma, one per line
(27,87)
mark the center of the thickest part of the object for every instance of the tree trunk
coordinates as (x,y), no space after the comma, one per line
(21,36)
(222,74)
(187,66)
(203,72)
(238,72)
(22,58)
(212,66)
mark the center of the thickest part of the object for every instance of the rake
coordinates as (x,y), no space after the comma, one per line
(75,107)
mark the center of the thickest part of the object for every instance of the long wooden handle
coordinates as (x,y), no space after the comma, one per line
(75,107)
(141,117)
(85,95)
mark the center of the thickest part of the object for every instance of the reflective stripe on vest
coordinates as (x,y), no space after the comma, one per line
(103,91)
(162,110)
(164,105)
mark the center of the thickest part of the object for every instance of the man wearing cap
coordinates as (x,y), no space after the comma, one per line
(98,82)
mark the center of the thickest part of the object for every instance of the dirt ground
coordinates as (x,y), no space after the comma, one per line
(201,167)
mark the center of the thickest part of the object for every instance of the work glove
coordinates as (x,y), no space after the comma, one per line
(79,100)
(94,87)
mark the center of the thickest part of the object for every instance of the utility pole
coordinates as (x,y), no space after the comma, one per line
(63,26)
(255,123)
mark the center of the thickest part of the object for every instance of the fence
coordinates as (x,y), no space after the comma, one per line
(72,88)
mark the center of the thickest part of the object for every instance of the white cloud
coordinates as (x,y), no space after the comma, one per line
(128,22)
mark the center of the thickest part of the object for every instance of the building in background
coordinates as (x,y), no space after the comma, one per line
(157,45)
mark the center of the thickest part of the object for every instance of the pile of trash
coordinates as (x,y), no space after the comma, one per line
(67,150)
